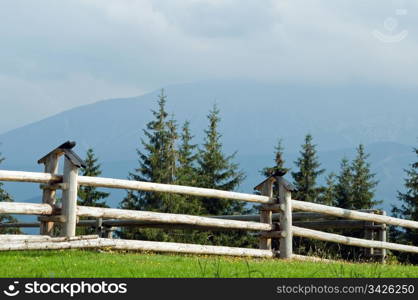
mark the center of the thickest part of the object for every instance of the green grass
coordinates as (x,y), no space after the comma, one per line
(76,263)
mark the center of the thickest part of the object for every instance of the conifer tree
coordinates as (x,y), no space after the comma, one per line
(88,195)
(408,209)
(279,161)
(157,163)
(156,160)
(5,218)
(344,187)
(363,183)
(328,193)
(279,164)
(305,179)
(218,171)
(186,173)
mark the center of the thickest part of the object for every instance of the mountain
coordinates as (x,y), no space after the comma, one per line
(254,116)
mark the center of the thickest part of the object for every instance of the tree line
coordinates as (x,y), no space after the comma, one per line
(168,154)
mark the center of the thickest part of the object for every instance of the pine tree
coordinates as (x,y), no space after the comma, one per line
(363,183)
(5,218)
(305,179)
(156,161)
(218,171)
(328,193)
(408,209)
(187,173)
(344,187)
(88,195)
(279,162)
(279,167)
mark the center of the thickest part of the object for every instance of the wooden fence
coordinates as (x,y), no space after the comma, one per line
(304,223)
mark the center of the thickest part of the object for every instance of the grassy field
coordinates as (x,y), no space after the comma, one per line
(76,263)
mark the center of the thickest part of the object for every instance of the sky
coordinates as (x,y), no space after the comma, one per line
(56,55)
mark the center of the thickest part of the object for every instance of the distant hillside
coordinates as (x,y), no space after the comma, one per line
(254,116)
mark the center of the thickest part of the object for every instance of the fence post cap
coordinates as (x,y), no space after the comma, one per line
(65,149)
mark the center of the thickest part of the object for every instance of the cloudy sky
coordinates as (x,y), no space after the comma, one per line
(59,54)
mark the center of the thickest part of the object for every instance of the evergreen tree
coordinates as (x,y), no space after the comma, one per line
(187,173)
(5,218)
(279,162)
(363,183)
(218,171)
(328,193)
(88,195)
(279,167)
(305,179)
(344,187)
(408,209)
(156,161)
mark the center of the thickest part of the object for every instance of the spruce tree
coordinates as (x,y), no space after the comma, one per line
(344,187)
(218,171)
(5,218)
(305,179)
(408,209)
(88,195)
(187,173)
(363,183)
(279,162)
(328,193)
(156,161)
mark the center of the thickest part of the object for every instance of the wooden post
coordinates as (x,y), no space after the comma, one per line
(382,236)
(285,202)
(369,235)
(69,198)
(266,216)
(49,193)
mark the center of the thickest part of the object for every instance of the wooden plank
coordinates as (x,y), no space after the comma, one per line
(69,199)
(35,177)
(112,213)
(285,202)
(352,214)
(26,208)
(167,188)
(139,246)
(350,241)
(265,215)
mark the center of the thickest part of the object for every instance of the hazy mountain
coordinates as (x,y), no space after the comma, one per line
(254,116)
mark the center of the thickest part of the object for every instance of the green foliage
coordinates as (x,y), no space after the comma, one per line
(344,187)
(88,195)
(279,162)
(157,162)
(328,193)
(5,218)
(408,209)
(356,184)
(218,171)
(364,183)
(305,179)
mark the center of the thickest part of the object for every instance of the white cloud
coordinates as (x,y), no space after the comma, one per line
(105,48)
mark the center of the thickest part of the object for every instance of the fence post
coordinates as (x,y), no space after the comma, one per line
(266,216)
(49,192)
(69,198)
(382,236)
(285,201)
